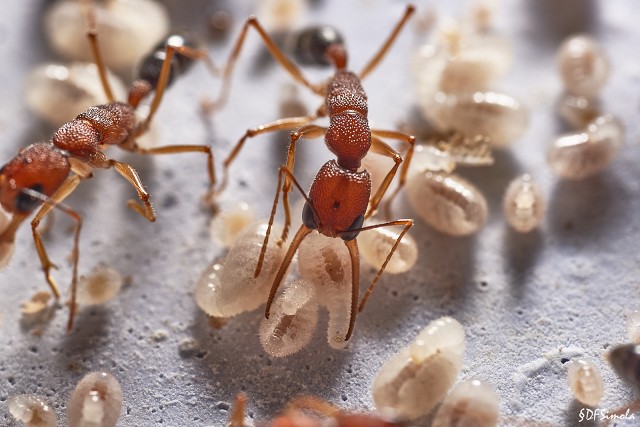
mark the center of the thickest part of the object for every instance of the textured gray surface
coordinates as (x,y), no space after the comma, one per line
(526,301)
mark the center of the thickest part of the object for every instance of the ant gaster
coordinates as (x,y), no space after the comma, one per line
(44,174)
(340,197)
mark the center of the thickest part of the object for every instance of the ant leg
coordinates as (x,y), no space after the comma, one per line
(320,406)
(92,35)
(275,52)
(379,147)
(373,63)
(282,124)
(236,418)
(407,223)
(130,174)
(352,246)
(408,139)
(67,187)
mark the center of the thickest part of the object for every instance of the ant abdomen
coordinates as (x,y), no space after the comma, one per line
(151,65)
(309,46)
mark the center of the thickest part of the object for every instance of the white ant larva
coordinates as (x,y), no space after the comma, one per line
(633,326)
(102,285)
(32,411)
(229,224)
(376,244)
(583,154)
(471,403)
(293,319)
(96,401)
(583,66)
(128,30)
(497,116)
(578,111)
(585,381)
(231,288)
(447,202)
(413,381)
(523,204)
(58,93)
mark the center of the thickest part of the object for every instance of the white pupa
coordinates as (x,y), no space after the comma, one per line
(523,204)
(418,377)
(230,288)
(95,402)
(471,403)
(585,382)
(32,411)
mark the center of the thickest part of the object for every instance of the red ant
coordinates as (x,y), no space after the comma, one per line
(340,197)
(295,415)
(44,174)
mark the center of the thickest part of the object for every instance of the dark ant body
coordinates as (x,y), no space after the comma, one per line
(44,174)
(340,197)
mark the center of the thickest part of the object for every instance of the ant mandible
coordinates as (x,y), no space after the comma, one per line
(340,197)
(44,174)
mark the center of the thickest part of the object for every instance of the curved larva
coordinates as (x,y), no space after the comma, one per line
(583,65)
(418,377)
(471,403)
(128,30)
(59,92)
(585,382)
(293,318)
(584,154)
(523,204)
(375,245)
(230,288)
(96,401)
(32,411)
(497,116)
(447,202)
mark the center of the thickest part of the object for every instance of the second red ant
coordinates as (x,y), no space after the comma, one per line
(340,198)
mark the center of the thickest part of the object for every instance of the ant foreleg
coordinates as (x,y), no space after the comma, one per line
(373,63)
(67,187)
(130,174)
(407,223)
(92,35)
(379,147)
(352,246)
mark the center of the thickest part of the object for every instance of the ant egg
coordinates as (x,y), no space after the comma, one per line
(413,381)
(32,411)
(447,202)
(127,30)
(633,326)
(228,225)
(583,65)
(58,93)
(471,403)
(497,116)
(578,111)
(625,360)
(102,285)
(292,320)
(585,382)
(523,204)
(376,244)
(583,154)
(96,401)
(231,288)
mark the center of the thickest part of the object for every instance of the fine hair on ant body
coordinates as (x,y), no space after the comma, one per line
(44,174)
(340,197)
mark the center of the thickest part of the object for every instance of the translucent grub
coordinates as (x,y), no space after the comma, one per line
(229,224)
(578,111)
(625,360)
(230,288)
(58,93)
(585,382)
(376,244)
(100,286)
(633,326)
(497,116)
(523,204)
(293,320)
(96,401)
(584,154)
(583,65)
(472,403)
(447,202)
(32,411)
(128,30)
(418,377)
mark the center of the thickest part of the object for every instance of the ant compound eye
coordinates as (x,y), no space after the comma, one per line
(357,225)
(308,219)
